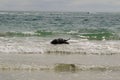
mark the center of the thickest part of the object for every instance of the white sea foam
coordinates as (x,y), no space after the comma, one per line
(37,45)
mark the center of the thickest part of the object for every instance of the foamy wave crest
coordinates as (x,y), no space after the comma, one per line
(16,34)
(23,67)
(86,48)
(32,45)
(25,34)
(98,68)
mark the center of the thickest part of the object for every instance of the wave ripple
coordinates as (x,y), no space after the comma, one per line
(39,46)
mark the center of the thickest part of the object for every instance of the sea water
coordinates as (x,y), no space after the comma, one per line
(26,52)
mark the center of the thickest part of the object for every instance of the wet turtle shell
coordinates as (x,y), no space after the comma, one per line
(60,41)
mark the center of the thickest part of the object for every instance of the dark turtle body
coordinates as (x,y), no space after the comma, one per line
(60,41)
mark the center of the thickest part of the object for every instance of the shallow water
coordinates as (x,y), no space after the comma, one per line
(49,75)
(29,65)
(33,58)
(35,61)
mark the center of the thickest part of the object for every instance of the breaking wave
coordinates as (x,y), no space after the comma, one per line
(24,34)
(101,34)
(36,45)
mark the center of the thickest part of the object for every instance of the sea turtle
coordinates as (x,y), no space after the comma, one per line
(60,41)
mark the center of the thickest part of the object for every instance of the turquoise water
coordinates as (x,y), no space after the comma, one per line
(26,52)
(73,24)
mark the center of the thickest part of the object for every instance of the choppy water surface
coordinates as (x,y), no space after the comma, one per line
(26,52)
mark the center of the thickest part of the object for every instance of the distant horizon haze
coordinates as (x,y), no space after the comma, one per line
(61,5)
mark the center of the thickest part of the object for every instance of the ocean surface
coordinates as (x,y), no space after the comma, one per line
(93,52)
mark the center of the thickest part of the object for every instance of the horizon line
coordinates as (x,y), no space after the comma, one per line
(58,11)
